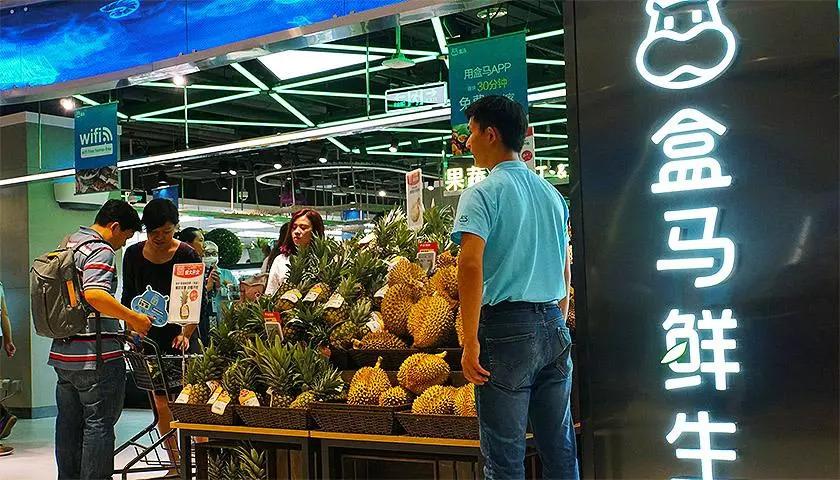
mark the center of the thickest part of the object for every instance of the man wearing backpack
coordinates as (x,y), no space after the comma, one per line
(91,381)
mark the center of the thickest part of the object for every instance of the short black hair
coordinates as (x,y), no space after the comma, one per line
(158,212)
(503,114)
(188,234)
(121,212)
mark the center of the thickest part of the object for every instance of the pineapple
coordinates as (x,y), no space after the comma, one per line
(275,364)
(217,460)
(202,369)
(293,285)
(437,226)
(393,237)
(325,384)
(301,321)
(370,272)
(251,464)
(337,309)
(354,328)
(222,336)
(241,374)
(184,311)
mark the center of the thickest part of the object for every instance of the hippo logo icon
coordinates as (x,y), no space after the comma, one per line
(687,44)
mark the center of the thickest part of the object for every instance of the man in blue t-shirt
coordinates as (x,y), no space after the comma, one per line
(513,283)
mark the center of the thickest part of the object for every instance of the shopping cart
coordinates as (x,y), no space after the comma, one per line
(155,374)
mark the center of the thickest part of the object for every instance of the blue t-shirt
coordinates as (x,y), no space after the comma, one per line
(522,219)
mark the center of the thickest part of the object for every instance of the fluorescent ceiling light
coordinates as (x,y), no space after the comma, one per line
(353,73)
(556,106)
(250,76)
(221,122)
(549,122)
(538,36)
(553,147)
(543,61)
(547,87)
(257,234)
(225,88)
(37,176)
(213,101)
(357,48)
(294,111)
(318,93)
(90,101)
(344,148)
(550,94)
(244,225)
(300,63)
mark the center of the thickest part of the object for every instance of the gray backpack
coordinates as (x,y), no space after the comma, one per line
(59,309)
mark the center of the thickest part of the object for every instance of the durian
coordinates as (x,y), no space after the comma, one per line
(431,322)
(380,340)
(395,307)
(446,259)
(437,400)
(394,397)
(445,282)
(465,401)
(422,371)
(367,385)
(407,273)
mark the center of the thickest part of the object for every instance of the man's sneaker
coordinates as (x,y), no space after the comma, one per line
(4,450)
(6,424)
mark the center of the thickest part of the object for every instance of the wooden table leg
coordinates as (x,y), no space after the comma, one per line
(185,441)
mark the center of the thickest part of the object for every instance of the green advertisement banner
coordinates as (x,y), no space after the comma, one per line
(478,68)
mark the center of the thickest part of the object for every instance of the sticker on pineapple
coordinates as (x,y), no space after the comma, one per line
(248,398)
(375,324)
(213,385)
(367,238)
(292,296)
(381,292)
(335,301)
(221,403)
(314,293)
(184,396)
(185,293)
(217,392)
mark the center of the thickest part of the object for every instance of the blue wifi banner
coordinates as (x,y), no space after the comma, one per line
(97,148)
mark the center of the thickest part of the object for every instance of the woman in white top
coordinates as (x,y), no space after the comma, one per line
(275,249)
(304,224)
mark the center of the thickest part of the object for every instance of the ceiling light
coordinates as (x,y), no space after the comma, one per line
(177,165)
(383,193)
(398,59)
(179,80)
(322,157)
(431,186)
(278,166)
(395,145)
(232,171)
(492,12)
(301,63)
(68,104)
(161,178)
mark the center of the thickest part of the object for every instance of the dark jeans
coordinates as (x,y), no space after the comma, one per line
(527,349)
(89,405)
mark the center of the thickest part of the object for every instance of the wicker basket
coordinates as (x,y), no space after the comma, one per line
(271,417)
(202,414)
(367,419)
(439,426)
(391,359)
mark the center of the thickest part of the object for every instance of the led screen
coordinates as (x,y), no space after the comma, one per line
(63,40)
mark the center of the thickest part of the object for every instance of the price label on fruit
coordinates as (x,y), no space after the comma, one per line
(185,293)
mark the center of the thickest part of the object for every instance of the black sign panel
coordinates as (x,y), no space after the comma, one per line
(705,198)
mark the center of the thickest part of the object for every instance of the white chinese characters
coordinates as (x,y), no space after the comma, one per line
(704,429)
(683,333)
(706,242)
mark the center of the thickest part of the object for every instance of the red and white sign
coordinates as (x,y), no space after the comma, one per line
(529,149)
(185,293)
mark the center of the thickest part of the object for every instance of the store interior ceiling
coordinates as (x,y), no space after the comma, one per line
(295,90)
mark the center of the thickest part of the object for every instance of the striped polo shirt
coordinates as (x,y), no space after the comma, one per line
(96,261)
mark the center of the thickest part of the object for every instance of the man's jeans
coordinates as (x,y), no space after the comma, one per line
(527,349)
(89,405)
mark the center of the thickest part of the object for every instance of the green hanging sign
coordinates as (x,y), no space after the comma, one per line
(478,68)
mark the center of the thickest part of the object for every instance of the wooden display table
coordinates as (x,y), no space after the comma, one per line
(296,439)
(443,457)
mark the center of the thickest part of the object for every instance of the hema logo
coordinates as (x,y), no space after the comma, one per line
(97,142)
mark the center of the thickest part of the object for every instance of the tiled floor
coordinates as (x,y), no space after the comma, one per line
(33,441)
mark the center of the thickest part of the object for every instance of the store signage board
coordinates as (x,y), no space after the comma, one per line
(433,94)
(457,179)
(186,292)
(90,39)
(707,218)
(97,148)
(414,198)
(488,66)
(695,350)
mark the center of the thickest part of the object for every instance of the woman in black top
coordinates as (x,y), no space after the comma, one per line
(150,263)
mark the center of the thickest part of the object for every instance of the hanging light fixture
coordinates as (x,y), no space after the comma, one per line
(395,145)
(398,60)
(322,157)
(179,80)
(162,178)
(68,104)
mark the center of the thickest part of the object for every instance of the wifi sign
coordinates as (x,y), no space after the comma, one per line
(97,142)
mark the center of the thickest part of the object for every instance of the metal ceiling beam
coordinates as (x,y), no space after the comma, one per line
(232,123)
(197,104)
(221,88)
(92,102)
